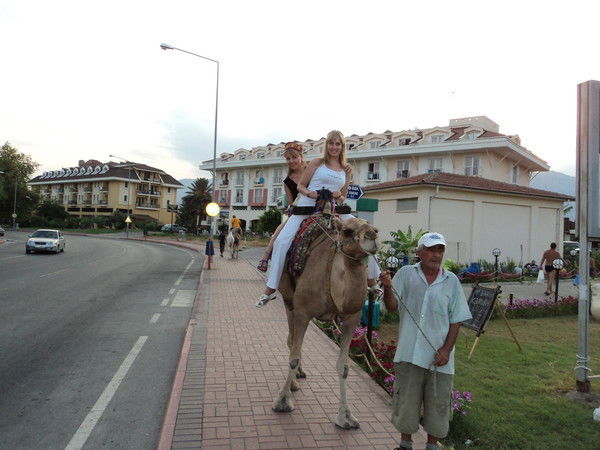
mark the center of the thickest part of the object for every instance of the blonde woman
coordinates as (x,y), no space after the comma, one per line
(330,171)
(295,161)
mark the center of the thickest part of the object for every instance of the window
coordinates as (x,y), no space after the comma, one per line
(435,165)
(472,135)
(402,168)
(126,184)
(351,145)
(436,138)
(279,153)
(406,204)
(260,155)
(277,175)
(373,171)
(472,165)
(239,178)
(239,196)
(259,177)
(242,156)
(124,198)
(258,195)
(223,196)
(169,190)
(276,193)
(224,179)
(514,174)
(404,141)
(374,144)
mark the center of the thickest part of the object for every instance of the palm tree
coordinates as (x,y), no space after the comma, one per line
(403,243)
(194,202)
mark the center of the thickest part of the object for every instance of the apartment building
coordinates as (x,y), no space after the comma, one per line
(250,180)
(96,188)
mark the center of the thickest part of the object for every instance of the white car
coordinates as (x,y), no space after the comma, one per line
(45,241)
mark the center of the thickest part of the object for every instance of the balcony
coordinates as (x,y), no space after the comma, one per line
(87,202)
(147,206)
(72,202)
(402,174)
(72,189)
(148,192)
(87,190)
(224,183)
(373,176)
(102,202)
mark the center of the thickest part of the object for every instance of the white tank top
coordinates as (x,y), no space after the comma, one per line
(324,177)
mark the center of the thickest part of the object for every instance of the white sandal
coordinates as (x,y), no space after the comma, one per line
(264,299)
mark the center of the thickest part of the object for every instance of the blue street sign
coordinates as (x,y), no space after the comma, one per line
(354,192)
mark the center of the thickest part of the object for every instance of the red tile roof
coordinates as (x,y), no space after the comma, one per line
(465,182)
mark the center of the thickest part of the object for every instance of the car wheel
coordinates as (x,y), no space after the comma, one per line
(63,249)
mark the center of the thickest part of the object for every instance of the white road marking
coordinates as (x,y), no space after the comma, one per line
(178,282)
(12,257)
(87,426)
(165,302)
(183,299)
(154,318)
(171,291)
(54,273)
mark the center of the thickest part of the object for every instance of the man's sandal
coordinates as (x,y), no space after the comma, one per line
(263,265)
(264,299)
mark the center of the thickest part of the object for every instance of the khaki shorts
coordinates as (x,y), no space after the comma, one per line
(413,389)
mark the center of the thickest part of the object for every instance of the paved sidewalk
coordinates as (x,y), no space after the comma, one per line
(236,362)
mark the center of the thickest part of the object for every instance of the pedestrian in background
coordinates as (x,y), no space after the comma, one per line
(547,259)
(222,237)
(432,307)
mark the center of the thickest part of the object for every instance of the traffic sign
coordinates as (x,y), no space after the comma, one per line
(354,192)
(14,215)
(128,220)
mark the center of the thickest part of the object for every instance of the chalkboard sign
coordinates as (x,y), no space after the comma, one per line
(481,302)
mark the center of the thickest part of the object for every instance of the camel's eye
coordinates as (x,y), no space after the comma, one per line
(371,235)
(348,232)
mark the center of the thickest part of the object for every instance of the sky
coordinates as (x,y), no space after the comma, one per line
(87,79)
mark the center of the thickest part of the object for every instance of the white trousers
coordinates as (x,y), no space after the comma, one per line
(283,243)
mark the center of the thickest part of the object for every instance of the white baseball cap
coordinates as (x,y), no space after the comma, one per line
(431,239)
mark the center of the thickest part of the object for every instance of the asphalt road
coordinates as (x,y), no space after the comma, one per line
(90,340)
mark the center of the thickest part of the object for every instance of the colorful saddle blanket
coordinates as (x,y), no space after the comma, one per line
(310,229)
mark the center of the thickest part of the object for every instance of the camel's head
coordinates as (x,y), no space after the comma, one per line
(358,236)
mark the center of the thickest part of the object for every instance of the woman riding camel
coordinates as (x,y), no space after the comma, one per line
(331,172)
(296,165)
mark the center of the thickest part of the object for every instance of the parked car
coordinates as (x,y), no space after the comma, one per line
(45,241)
(172,227)
(1,231)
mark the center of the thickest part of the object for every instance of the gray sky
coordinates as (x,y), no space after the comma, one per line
(84,79)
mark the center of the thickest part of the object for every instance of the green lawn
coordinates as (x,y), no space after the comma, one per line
(518,397)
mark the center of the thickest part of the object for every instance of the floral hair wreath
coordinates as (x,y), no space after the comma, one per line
(293,146)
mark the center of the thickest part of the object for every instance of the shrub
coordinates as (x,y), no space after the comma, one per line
(536,308)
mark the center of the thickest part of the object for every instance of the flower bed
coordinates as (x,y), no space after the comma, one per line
(537,308)
(359,352)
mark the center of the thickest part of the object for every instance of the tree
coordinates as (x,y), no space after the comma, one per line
(269,220)
(18,169)
(403,243)
(194,203)
(51,209)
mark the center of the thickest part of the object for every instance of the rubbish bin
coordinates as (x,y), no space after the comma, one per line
(376,309)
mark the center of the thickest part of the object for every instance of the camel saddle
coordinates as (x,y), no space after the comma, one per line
(310,229)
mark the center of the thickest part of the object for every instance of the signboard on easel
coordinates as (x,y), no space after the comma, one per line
(481,304)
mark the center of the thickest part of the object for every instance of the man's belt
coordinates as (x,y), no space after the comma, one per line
(310,210)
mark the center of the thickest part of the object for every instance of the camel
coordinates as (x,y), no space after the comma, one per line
(233,242)
(332,284)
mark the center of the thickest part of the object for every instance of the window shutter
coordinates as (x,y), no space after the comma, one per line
(250,196)
(229,197)
(265,193)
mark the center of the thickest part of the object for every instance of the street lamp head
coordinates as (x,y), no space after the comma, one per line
(167,46)
(496,252)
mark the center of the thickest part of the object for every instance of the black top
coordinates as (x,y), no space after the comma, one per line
(292,186)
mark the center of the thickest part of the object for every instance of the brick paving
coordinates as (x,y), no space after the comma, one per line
(238,361)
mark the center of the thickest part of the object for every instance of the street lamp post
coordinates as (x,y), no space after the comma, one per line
(128,190)
(558,264)
(496,252)
(214,172)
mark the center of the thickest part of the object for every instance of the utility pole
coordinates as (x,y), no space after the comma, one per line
(14,216)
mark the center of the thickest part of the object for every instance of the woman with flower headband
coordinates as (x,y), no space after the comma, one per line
(330,171)
(295,161)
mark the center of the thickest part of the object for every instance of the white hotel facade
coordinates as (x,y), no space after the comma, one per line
(250,180)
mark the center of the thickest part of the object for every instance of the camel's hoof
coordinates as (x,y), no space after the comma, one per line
(301,373)
(294,386)
(347,421)
(283,404)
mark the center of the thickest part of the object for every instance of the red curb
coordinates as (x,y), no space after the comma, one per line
(165,440)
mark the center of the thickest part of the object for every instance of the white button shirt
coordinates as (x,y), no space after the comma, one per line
(434,306)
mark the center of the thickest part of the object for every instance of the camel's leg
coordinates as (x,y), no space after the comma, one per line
(345,419)
(290,317)
(299,323)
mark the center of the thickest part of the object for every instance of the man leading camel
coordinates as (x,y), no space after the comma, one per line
(432,307)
